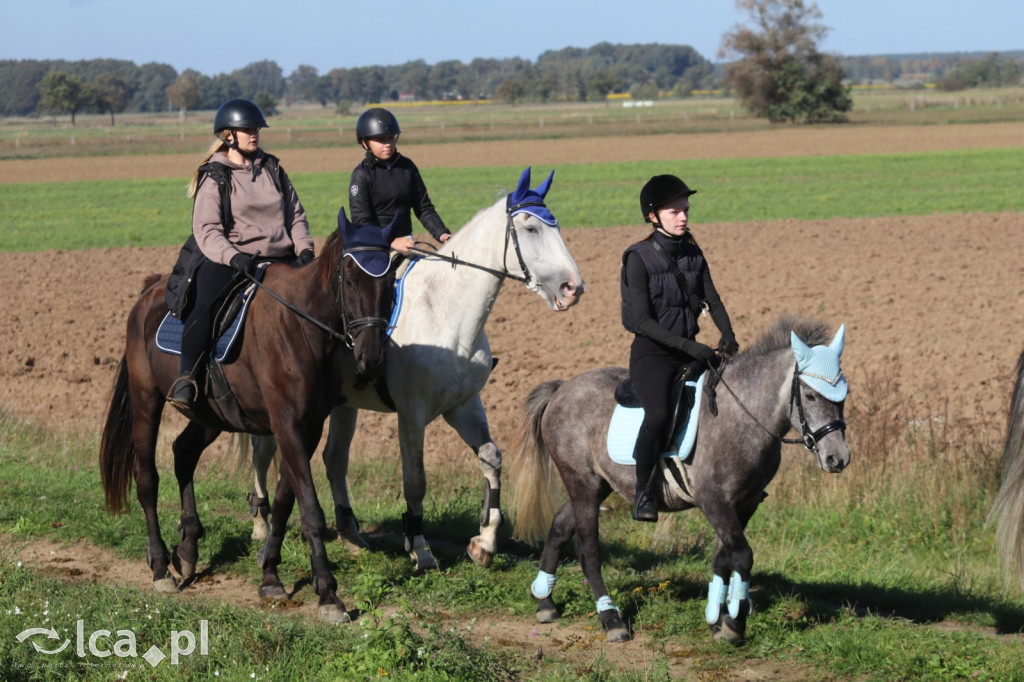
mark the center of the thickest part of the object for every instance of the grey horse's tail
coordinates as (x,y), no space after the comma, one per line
(535,489)
(1008,509)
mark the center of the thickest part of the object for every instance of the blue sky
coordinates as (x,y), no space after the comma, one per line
(218,37)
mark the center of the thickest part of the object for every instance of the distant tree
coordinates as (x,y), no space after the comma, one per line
(183,93)
(264,76)
(151,94)
(989,72)
(780,74)
(62,93)
(266,102)
(511,90)
(600,84)
(305,83)
(109,94)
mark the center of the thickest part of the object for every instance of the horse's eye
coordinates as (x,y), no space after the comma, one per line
(532,229)
(810,397)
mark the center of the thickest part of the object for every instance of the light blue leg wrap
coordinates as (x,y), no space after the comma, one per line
(542,585)
(605,604)
(738,590)
(716,597)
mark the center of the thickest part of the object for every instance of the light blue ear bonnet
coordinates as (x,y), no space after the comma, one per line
(818,367)
(526,200)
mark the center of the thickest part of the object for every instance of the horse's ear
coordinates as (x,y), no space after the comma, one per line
(543,188)
(386,231)
(839,340)
(800,349)
(344,226)
(524,183)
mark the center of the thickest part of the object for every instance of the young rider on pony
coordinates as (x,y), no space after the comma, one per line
(249,213)
(664,282)
(385,182)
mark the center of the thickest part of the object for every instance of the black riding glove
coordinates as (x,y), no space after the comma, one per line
(306,256)
(727,346)
(699,352)
(244,264)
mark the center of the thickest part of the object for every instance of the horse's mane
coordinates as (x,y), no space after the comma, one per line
(811,332)
(329,258)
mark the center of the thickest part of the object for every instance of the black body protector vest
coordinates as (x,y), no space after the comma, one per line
(675,282)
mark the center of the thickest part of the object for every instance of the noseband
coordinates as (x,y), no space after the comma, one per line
(808,438)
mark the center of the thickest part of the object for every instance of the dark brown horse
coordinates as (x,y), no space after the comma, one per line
(285,380)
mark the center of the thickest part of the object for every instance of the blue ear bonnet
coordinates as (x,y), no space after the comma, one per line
(377,262)
(818,367)
(524,195)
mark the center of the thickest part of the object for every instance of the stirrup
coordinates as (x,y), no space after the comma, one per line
(183,392)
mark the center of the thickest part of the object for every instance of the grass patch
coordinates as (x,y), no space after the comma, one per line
(883,572)
(115,214)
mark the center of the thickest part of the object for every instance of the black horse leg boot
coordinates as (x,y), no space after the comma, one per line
(645,452)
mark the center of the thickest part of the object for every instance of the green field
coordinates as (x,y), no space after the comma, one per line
(79,215)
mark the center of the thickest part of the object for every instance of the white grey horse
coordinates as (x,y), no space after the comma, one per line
(778,383)
(438,360)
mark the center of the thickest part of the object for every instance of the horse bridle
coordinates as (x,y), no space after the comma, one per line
(809,439)
(510,235)
(349,328)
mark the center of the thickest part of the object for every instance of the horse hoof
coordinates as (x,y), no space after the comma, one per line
(351,539)
(480,556)
(614,629)
(422,562)
(618,635)
(729,631)
(259,533)
(166,585)
(332,613)
(547,612)
(273,593)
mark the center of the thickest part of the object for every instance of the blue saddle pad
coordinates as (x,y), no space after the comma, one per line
(400,295)
(168,334)
(625,426)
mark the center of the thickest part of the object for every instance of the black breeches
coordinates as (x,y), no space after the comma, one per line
(653,375)
(213,282)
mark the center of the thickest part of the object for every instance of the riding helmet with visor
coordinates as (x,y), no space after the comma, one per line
(376,122)
(661,190)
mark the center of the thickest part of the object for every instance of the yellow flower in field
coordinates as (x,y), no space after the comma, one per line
(637,589)
(381,672)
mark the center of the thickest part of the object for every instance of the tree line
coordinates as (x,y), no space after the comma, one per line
(572,74)
(774,65)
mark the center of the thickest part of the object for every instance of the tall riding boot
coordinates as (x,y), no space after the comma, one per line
(646,453)
(185,388)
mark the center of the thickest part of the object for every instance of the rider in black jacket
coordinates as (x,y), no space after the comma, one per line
(664,283)
(386,183)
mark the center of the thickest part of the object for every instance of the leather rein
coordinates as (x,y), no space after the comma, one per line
(510,235)
(350,328)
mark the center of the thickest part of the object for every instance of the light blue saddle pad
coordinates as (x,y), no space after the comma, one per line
(625,425)
(168,334)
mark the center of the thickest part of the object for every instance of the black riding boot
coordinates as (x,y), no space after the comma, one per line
(646,453)
(185,388)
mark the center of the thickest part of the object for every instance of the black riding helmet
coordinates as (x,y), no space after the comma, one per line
(376,122)
(238,113)
(660,190)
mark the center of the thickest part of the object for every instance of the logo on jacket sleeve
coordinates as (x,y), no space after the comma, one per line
(353,190)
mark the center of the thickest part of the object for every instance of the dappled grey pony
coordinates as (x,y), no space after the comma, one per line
(438,358)
(787,378)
